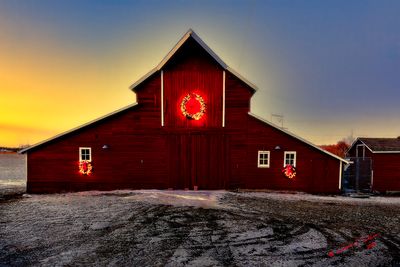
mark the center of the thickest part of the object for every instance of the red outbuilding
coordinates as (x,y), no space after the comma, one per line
(191,128)
(375,165)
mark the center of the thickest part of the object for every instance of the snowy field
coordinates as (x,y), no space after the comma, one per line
(12,174)
(182,228)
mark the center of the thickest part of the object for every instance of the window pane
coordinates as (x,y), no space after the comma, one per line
(290,158)
(263,159)
(85,154)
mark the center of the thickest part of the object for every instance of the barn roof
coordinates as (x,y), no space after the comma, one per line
(380,145)
(298,138)
(191,34)
(77,128)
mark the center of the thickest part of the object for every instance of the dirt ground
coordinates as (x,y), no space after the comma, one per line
(178,228)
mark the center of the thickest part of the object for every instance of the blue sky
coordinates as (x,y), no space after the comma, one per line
(330,67)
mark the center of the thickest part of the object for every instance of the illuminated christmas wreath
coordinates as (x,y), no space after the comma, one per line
(289,171)
(85,167)
(193,106)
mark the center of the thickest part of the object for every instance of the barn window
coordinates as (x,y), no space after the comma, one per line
(263,159)
(85,153)
(289,158)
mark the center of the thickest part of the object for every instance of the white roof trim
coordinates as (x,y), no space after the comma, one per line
(351,146)
(76,128)
(297,137)
(235,73)
(385,152)
(365,145)
(191,33)
(355,142)
(143,78)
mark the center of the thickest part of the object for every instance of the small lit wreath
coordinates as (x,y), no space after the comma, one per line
(289,171)
(85,167)
(189,99)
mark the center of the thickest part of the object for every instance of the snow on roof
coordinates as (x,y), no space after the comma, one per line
(77,128)
(188,34)
(298,138)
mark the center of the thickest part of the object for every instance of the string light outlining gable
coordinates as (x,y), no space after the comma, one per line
(193,106)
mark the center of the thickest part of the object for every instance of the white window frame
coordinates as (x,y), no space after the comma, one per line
(363,152)
(259,165)
(289,153)
(80,153)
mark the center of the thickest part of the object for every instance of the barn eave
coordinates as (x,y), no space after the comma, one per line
(76,129)
(298,138)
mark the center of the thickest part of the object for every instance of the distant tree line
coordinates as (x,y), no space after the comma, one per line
(339,149)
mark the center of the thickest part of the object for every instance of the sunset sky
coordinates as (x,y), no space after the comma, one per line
(330,67)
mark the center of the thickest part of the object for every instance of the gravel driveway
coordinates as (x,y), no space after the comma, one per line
(178,228)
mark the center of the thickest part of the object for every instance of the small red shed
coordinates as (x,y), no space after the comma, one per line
(383,158)
(191,128)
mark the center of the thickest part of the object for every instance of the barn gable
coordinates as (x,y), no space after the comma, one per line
(190,34)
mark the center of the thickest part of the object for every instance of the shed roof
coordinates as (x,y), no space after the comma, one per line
(381,145)
(191,34)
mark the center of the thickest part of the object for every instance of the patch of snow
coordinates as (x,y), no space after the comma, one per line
(206,259)
(202,199)
(312,240)
(12,174)
(251,235)
(99,225)
(317,198)
(135,228)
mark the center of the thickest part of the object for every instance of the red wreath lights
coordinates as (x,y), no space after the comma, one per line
(289,171)
(85,167)
(193,106)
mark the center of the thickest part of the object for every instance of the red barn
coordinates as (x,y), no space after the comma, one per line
(190,128)
(381,156)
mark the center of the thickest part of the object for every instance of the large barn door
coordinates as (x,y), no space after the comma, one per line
(196,159)
(179,161)
(208,161)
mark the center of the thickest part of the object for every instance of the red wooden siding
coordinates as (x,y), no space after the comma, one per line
(386,175)
(237,102)
(192,70)
(316,172)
